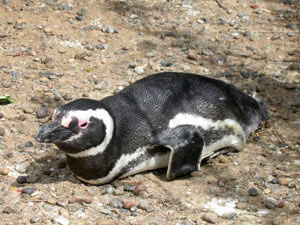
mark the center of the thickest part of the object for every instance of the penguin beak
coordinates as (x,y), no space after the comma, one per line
(53,132)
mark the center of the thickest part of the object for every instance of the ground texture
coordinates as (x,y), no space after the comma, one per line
(53,51)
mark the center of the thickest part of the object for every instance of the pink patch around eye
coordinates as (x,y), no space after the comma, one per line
(82,123)
(65,122)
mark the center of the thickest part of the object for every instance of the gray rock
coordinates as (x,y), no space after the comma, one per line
(139,70)
(110,30)
(67,97)
(166,63)
(101,46)
(116,203)
(187,222)
(1,201)
(27,190)
(230,216)
(61,220)
(253,192)
(41,113)
(129,187)
(105,211)
(150,54)
(36,219)
(22,179)
(110,189)
(28,144)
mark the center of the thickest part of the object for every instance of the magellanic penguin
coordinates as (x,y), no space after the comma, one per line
(166,120)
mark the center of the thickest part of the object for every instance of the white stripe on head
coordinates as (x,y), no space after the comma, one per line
(100,114)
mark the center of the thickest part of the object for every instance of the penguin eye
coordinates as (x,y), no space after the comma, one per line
(83,124)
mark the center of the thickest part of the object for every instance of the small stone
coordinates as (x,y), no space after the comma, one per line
(110,189)
(165,63)
(28,110)
(61,220)
(210,218)
(129,187)
(253,192)
(28,144)
(116,203)
(242,205)
(110,30)
(143,204)
(27,190)
(192,55)
(280,204)
(267,191)
(2,131)
(22,179)
(51,201)
(270,205)
(61,51)
(67,97)
(283,181)
(127,204)
(41,113)
(230,216)
(62,202)
(85,198)
(1,201)
(139,187)
(223,159)
(4,171)
(21,167)
(1,115)
(8,210)
(105,211)
(139,70)
(36,219)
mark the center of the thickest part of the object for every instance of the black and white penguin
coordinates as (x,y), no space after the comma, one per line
(166,120)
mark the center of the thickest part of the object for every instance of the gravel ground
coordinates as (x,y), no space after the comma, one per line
(53,51)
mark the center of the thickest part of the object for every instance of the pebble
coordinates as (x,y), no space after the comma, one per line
(28,190)
(85,198)
(192,55)
(8,210)
(166,63)
(253,192)
(28,110)
(67,97)
(280,204)
(210,218)
(143,204)
(1,115)
(62,202)
(2,131)
(41,113)
(61,220)
(129,187)
(230,216)
(110,30)
(4,171)
(1,201)
(116,203)
(52,201)
(110,189)
(36,219)
(28,144)
(139,187)
(22,179)
(127,204)
(242,205)
(105,211)
(139,70)
(283,181)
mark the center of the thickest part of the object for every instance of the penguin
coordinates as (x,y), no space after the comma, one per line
(167,120)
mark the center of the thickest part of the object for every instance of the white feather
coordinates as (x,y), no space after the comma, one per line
(101,114)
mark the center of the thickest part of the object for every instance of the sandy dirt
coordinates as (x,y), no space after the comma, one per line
(52,52)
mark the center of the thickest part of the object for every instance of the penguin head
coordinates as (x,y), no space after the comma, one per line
(77,126)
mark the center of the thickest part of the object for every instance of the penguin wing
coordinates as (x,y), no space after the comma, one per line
(186,145)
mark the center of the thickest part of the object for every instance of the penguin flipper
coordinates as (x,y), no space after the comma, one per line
(186,145)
